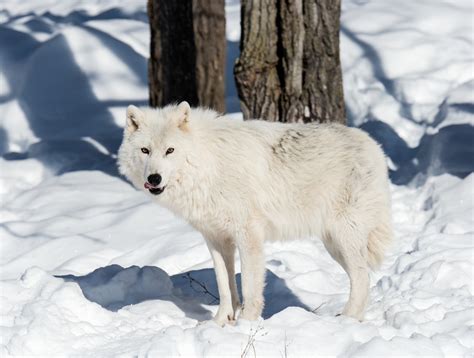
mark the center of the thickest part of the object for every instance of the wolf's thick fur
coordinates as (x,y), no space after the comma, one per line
(242,182)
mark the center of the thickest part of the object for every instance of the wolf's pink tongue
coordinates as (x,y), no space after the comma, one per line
(149,186)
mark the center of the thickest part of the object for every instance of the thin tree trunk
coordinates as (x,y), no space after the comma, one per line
(322,83)
(172,65)
(210,40)
(187,52)
(291,41)
(289,68)
(256,69)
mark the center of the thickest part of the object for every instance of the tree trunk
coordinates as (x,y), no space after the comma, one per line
(289,68)
(187,52)
(210,40)
(322,82)
(172,65)
(256,69)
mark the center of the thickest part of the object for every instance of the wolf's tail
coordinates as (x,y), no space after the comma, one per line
(379,239)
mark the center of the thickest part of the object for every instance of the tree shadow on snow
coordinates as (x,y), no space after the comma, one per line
(379,73)
(75,129)
(450,150)
(125,52)
(80,16)
(114,287)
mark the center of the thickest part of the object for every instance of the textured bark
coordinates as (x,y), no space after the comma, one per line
(172,65)
(256,75)
(209,37)
(291,37)
(322,82)
(289,68)
(187,52)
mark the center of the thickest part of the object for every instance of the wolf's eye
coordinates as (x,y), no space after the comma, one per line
(145,150)
(169,151)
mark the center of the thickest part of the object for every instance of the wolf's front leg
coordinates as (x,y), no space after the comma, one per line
(252,260)
(222,253)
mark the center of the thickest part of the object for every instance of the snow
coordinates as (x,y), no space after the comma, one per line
(89,266)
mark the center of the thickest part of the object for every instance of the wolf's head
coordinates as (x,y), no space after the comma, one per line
(154,146)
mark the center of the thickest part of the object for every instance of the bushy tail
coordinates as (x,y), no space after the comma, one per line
(379,239)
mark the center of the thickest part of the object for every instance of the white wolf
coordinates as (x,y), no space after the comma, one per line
(242,182)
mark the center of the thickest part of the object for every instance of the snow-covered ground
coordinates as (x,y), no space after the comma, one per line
(89,265)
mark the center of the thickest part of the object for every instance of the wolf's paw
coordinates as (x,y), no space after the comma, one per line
(249,316)
(251,311)
(222,321)
(224,316)
(356,315)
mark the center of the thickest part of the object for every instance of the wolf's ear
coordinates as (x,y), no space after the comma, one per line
(134,118)
(183,114)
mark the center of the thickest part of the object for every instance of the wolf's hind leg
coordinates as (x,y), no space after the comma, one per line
(222,253)
(359,295)
(348,246)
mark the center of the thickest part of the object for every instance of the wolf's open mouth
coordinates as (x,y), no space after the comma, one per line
(153,189)
(156,191)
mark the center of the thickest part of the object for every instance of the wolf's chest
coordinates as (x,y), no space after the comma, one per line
(200,208)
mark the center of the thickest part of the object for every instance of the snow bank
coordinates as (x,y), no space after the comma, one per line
(408,81)
(85,297)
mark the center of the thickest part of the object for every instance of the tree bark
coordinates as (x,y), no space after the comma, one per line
(256,69)
(172,65)
(187,52)
(322,83)
(292,36)
(289,68)
(210,41)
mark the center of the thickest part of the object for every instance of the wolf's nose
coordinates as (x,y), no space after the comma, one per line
(154,179)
